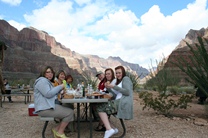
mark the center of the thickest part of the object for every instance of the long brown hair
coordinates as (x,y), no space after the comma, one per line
(113,75)
(43,72)
(123,74)
(59,72)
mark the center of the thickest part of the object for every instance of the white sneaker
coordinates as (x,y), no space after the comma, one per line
(109,133)
(116,131)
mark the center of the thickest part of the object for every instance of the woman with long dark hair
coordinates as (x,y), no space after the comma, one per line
(122,103)
(110,78)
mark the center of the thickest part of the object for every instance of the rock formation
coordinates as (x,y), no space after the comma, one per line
(31,49)
(183,50)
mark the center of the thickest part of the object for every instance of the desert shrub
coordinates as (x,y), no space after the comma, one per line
(173,90)
(15,82)
(31,82)
(187,90)
(154,88)
(134,78)
(163,103)
(181,90)
(161,77)
(89,79)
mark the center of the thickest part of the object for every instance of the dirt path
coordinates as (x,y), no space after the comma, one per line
(15,123)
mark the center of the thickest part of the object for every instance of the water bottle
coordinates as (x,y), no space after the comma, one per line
(18,85)
(88,88)
(91,89)
(83,90)
(23,86)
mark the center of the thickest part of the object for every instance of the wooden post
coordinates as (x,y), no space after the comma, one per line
(2,48)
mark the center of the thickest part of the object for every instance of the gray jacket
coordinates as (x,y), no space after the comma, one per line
(45,94)
(125,107)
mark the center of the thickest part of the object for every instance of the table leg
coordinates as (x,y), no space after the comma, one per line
(85,111)
(90,120)
(28,96)
(78,119)
(1,101)
(25,99)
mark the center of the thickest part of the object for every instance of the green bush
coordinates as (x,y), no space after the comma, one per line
(134,78)
(187,90)
(163,103)
(173,90)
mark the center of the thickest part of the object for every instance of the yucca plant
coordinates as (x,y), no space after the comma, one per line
(161,77)
(134,78)
(90,79)
(197,68)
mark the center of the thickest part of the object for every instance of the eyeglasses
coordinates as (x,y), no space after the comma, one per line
(118,72)
(49,72)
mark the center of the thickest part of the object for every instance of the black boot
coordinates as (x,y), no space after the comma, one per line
(95,116)
(10,99)
(201,100)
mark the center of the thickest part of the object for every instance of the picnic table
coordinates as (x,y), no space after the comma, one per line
(18,92)
(84,100)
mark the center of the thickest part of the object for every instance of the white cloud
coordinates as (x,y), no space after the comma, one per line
(17,25)
(39,3)
(82,2)
(101,28)
(12,2)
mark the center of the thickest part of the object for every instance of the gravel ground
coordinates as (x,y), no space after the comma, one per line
(192,123)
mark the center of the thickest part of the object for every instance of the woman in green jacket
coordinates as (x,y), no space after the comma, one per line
(122,103)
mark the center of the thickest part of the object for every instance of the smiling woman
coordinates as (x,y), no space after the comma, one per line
(45,95)
(121,103)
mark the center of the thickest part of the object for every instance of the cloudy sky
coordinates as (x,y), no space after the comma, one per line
(137,31)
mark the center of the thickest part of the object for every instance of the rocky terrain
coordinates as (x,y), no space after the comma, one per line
(183,51)
(31,49)
(187,123)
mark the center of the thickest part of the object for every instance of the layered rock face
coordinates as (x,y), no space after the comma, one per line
(30,50)
(183,50)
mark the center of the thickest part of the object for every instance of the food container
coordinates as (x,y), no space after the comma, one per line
(105,96)
(31,110)
(68,96)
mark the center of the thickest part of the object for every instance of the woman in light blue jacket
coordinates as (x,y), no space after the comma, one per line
(45,95)
(122,103)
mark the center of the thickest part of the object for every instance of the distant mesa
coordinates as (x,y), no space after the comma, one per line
(31,49)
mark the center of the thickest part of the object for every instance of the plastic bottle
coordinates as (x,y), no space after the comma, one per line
(88,88)
(23,86)
(83,90)
(91,89)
